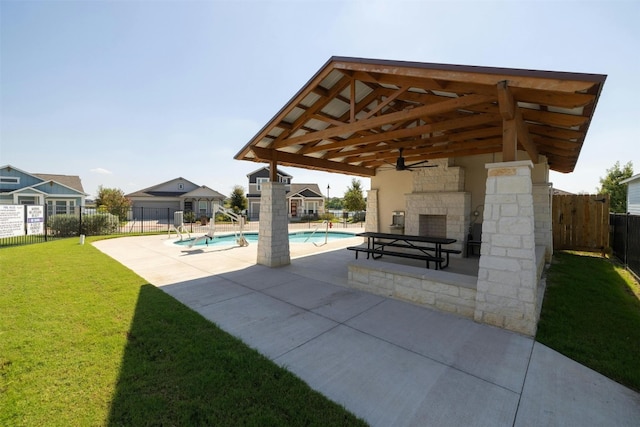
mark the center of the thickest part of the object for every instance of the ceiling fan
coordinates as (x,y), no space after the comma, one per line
(402,166)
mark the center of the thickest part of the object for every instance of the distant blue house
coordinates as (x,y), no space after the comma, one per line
(633,194)
(60,193)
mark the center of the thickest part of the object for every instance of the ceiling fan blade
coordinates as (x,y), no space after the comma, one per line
(418,163)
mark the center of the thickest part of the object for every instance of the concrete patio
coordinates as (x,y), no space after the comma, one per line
(388,361)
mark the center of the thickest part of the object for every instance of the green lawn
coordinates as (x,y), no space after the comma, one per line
(84,341)
(591,313)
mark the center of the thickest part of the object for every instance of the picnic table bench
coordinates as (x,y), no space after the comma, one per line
(426,248)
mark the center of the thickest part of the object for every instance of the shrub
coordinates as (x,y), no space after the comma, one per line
(99,224)
(358,217)
(327,216)
(189,217)
(64,225)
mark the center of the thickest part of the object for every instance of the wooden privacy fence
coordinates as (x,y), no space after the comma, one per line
(581,222)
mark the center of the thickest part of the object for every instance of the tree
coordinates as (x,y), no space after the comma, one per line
(112,200)
(334,203)
(238,202)
(617,192)
(353,199)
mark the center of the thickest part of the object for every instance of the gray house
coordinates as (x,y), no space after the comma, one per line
(60,193)
(303,200)
(633,194)
(178,194)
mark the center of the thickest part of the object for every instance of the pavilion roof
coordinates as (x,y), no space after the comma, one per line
(355,114)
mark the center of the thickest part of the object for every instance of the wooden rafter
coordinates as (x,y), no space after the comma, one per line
(293,159)
(418,112)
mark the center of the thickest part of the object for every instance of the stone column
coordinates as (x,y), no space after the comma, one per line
(371,221)
(273,232)
(507,289)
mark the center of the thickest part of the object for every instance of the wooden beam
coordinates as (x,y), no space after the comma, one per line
(386,102)
(425,110)
(474,135)
(513,122)
(296,160)
(352,101)
(462,75)
(525,138)
(509,140)
(273,170)
(506,102)
(553,119)
(317,106)
(388,136)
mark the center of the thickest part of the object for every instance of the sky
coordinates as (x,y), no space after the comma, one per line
(130,94)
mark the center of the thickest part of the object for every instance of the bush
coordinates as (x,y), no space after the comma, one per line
(327,217)
(358,217)
(100,224)
(189,217)
(65,225)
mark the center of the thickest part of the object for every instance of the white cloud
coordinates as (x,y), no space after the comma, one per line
(101,171)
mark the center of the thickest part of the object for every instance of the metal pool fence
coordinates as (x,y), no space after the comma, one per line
(90,221)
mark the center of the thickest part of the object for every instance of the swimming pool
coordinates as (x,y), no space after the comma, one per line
(294,237)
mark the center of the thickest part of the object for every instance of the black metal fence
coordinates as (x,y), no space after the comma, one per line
(89,222)
(625,240)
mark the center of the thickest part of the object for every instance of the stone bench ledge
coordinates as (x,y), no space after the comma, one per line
(440,276)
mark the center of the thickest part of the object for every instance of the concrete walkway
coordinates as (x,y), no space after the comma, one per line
(389,362)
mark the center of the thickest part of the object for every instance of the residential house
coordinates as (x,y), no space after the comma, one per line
(633,194)
(60,193)
(303,200)
(162,200)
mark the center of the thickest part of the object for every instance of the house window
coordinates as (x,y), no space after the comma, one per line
(202,206)
(311,207)
(61,206)
(180,186)
(260,181)
(9,180)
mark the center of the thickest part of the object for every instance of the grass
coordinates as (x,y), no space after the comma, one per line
(591,313)
(84,341)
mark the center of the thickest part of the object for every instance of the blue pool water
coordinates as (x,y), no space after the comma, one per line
(295,237)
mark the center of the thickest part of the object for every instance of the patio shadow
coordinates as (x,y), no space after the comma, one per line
(180,369)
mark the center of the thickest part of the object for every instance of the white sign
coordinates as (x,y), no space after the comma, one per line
(11,220)
(35,220)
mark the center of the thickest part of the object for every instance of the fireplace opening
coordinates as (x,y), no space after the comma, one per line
(432,225)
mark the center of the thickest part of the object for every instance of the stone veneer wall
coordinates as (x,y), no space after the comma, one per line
(371,220)
(440,191)
(543,214)
(507,277)
(450,292)
(273,231)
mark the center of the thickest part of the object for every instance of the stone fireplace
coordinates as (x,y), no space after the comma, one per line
(438,205)
(432,225)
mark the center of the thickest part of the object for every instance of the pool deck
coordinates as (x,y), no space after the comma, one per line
(388,361)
